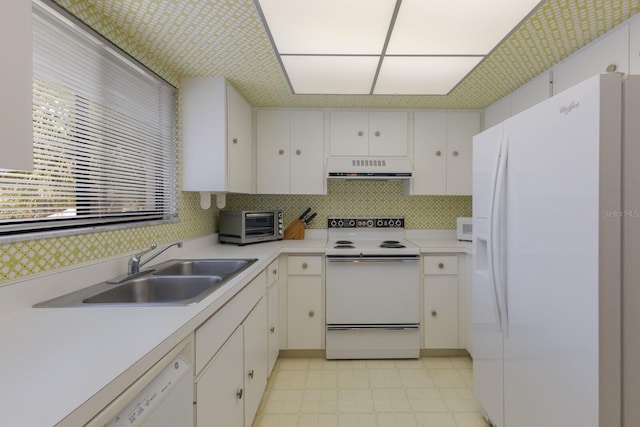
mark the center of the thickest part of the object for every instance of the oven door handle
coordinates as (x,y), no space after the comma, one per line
(372,259)
(381,327)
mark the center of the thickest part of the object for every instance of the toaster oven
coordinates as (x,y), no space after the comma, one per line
(244,227)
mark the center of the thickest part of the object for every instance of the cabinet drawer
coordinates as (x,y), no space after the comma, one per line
(440,264)
(305,265)
(273,272)
(214,332)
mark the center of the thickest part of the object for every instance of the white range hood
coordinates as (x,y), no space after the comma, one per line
(369,168)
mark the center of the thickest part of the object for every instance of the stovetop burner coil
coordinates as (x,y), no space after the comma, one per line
(390,245)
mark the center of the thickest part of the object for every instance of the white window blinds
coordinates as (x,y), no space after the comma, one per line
(103,134)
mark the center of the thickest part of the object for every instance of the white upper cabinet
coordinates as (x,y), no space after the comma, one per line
(16,119)
(442,150)
(290,147)
(532,93)
(612,49)
(376,133)
(634,46)
(217,137)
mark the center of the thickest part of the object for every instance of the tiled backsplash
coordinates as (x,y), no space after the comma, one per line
(363,199)
(28,257)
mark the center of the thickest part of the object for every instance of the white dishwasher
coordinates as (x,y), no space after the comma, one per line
(162,397)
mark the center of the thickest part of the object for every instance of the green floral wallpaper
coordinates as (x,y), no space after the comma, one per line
(363,199)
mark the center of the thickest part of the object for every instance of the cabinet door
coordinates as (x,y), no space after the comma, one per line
(634,48)
(304,319)
(16,120)
(612,49)
(273,151)
(239,143)
(430,152)
(441,311)
(220,390)
(273,324)
(307,152)
(388,133)
(349,133)
(256,357)
(461,127)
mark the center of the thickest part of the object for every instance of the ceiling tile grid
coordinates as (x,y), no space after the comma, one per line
(226,38)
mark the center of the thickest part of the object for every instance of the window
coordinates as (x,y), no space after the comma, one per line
(104,135)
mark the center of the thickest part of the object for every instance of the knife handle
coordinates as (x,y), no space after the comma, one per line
(304,213)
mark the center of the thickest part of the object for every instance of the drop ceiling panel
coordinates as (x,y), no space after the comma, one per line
(461,27)
(328,26)
(331,74)
(417,75)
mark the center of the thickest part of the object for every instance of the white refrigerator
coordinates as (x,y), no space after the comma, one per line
(548,212)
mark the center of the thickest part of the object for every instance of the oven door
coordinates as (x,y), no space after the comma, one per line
(260,225)
(373,290)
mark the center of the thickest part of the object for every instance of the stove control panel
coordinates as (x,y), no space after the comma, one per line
(365,223)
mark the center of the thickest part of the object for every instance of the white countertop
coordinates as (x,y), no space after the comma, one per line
(61,365)
(54,360)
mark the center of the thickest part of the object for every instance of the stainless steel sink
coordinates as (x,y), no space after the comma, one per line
(175,282)
(158,290)
(202,267)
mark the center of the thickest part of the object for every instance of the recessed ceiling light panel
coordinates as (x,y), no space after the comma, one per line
(401,47)
(331,27)
(460,27)
(417,75)
(351,75)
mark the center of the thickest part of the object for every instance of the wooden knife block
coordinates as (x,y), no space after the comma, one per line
(295,231)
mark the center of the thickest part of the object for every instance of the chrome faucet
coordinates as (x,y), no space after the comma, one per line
(135,263)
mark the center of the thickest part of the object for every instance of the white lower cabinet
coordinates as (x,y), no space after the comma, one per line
(304,303)
(232,360)
(220,389)
(273,324)
(256,348)
(441,302)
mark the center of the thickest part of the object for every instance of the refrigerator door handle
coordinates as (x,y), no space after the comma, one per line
(497,234)
(492,242)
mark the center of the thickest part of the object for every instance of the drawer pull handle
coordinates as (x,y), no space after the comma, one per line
(434,313)
(455,154)
(312,313)
(235,140)
(298,152)
(438,153)
(305,265)
(273,329)
(360,133)
(281,152)
(377,133)
(239,394)
(251,374)
(441,265)
(275,271)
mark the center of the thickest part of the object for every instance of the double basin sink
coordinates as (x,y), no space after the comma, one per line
(175,282)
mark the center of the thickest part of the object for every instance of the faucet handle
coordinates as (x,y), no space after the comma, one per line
(152,247)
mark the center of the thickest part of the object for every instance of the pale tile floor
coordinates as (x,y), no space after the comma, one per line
(427,392)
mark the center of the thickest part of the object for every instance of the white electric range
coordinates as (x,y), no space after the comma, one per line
(372,290)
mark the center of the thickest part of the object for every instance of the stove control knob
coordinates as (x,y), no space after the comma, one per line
(369,223)
(333,223)
(341,223)
(380,223)
(398,223)
(352,223)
